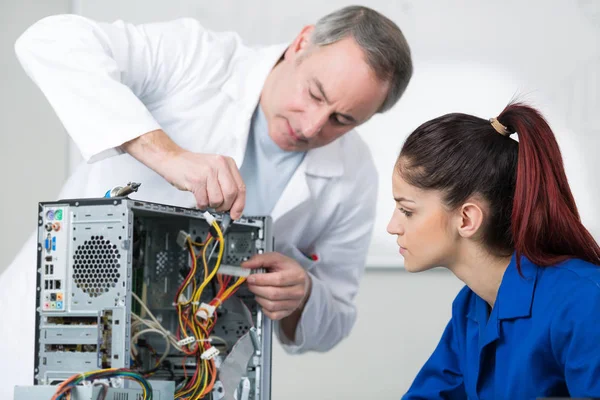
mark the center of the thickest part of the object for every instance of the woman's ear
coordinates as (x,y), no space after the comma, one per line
(470,220)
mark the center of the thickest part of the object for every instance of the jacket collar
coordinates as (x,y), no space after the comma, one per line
(514,300)
(515,295)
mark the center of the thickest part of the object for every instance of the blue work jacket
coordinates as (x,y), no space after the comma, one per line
(541,339)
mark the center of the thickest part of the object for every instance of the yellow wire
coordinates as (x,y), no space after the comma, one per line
(198,293)
(205,367)
(195,300)
(229,290)
(193,280)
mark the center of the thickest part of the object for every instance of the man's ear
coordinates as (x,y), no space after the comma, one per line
(300,43)
(470,220)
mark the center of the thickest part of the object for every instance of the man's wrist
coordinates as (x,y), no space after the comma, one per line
(154,149)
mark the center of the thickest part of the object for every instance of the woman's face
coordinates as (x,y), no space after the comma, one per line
(423,227)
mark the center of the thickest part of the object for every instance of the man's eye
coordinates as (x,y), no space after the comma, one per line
(313,96)
(338,120)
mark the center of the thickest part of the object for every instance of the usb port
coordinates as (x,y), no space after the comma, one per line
(51,269)
(47,269)
(50,285)
(46,285)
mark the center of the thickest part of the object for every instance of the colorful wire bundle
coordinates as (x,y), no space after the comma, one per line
(191,324)
(64,389)
(194,322)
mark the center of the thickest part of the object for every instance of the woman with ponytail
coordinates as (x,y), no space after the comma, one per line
(500,215)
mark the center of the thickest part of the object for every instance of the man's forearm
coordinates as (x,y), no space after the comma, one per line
(153,149)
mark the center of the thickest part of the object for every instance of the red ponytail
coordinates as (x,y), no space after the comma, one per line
(546,227)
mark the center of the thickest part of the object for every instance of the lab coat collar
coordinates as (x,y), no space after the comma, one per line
(326,161)
(249,74)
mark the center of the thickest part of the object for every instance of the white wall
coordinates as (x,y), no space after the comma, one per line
(32,154)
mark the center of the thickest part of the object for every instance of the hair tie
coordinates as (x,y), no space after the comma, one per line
(501,129)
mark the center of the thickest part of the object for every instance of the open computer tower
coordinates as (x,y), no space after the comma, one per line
(97,257)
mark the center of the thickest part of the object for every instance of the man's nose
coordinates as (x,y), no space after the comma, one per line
(315,122)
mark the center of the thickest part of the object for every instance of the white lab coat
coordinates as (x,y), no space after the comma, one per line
(110,83)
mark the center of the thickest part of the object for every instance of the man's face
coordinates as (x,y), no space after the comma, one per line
(316,94)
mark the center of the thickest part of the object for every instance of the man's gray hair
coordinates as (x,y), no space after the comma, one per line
(386,50)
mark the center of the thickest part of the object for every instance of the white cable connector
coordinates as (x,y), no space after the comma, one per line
(234,270)
(182,239)
(186,341)
(212,352)
(209,218)
(205,311)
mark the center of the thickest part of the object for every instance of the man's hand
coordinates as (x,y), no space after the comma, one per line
(283,290)
(214,179)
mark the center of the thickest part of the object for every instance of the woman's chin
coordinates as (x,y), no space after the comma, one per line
(411,266)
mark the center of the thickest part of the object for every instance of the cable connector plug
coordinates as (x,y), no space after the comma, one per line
(209,217)
(205,311)
(186,341)
(182,239)
(211,353)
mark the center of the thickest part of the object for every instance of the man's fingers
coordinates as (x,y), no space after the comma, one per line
(215,196)
(201,196)
(275,293)
(283,278)
(274,306)
(237,207)
(266,260)
(227,183)
(213,178)
(277,315)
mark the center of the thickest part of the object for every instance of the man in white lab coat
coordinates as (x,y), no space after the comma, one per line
(202,120)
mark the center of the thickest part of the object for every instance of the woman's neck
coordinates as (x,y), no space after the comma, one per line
(481,271)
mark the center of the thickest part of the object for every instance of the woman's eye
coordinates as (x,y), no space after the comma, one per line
(405,212)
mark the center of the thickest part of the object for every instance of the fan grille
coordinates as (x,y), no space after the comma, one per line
(96,266)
